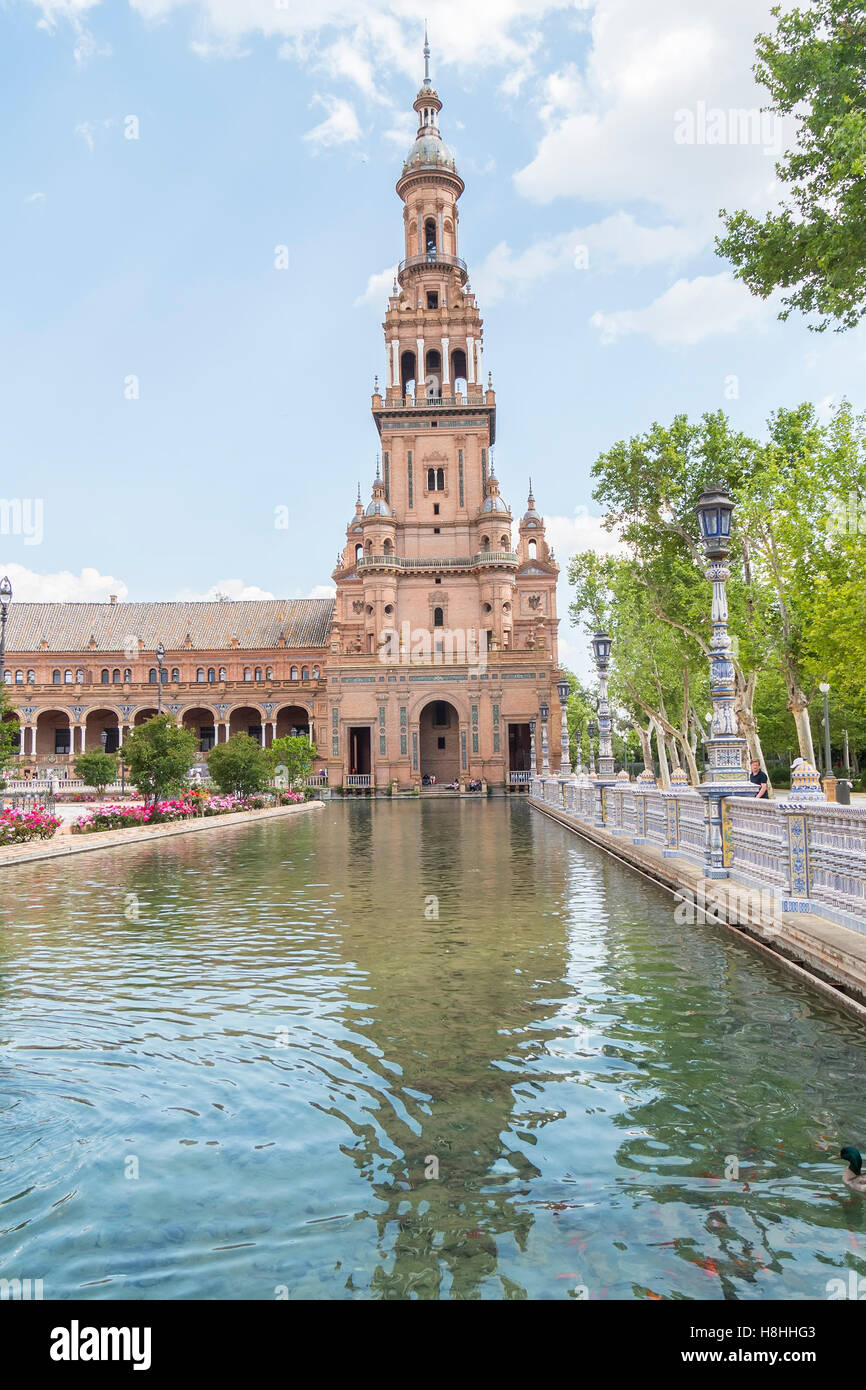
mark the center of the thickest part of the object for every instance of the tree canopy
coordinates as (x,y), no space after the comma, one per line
(797,594)
(159,754)
(814,247)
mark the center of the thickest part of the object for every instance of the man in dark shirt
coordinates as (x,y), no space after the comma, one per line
(759,777)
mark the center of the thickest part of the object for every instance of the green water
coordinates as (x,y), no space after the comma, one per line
(288,1042)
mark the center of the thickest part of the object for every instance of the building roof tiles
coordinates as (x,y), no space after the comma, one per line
(254,623)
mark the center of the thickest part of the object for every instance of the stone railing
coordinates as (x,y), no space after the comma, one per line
(426,402)
(811,855)
(31,800)
(459,562)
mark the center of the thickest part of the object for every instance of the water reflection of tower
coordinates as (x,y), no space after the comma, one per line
(453,1023)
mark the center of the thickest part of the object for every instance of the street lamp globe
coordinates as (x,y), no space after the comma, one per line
(715,510)
(601,644)
(5,591)
(532,724)
(563,690)
(824,688)
(544,710)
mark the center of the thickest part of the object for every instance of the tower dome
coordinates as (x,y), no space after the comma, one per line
(531,514)
(378,506)
(429,150)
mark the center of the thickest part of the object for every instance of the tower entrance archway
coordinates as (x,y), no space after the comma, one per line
(439,738)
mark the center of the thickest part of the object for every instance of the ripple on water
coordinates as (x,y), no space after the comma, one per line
(287,1075)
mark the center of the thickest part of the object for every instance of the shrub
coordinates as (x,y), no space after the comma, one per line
(16,827)
(240,766)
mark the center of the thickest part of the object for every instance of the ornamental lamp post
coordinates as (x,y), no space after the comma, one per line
(592,732)
(601,645)
(544,711)
(5,600)
(160,658)
(725,773)
(532,762)
(563,690)
(829,779)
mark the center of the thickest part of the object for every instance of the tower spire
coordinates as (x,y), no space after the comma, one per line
(426,57)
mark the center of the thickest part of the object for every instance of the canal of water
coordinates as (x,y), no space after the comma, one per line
(432,1050)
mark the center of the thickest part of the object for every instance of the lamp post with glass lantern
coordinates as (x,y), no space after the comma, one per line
(601,647)
(544,711)
(563,690)
(532,763)
(160,658)
(725,773)
(5,600)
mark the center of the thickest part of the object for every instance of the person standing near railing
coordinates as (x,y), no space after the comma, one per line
(760,779)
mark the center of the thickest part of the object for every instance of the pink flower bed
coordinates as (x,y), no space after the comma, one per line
(185,807)
(16,827)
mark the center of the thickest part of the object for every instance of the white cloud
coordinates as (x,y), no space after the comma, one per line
(340,126)
(320,591)
(402,130)
(35,198)
(690,311)
(64,587)
(618,240)
(54,10)
(224,588)
(378,287)
(87,47)
(569,534)
(223,49)
(609,129)
(358,40)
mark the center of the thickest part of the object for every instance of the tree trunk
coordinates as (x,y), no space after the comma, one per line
(799,707)
(645,744)
(664,771)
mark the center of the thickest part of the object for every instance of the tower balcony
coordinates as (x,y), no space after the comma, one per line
(498,559)
(435,260)
(457,401)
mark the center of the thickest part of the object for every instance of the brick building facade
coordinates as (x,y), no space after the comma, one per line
(441,642)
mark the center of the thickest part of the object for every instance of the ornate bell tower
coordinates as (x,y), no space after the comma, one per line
(457,625)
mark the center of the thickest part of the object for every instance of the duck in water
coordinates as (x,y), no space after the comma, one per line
(853,1177)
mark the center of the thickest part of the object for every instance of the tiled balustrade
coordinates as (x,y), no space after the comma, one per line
(812,856)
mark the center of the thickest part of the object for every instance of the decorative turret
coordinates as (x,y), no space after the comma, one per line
(492,501)
(532,546)
(378,505)
(531,515)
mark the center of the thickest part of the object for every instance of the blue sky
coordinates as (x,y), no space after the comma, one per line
(262,124)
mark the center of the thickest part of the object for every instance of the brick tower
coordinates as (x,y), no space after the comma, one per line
(444,639)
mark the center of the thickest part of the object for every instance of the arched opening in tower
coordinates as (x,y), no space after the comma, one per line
(458,370)
(433,381)
(439,730)
(407,373)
